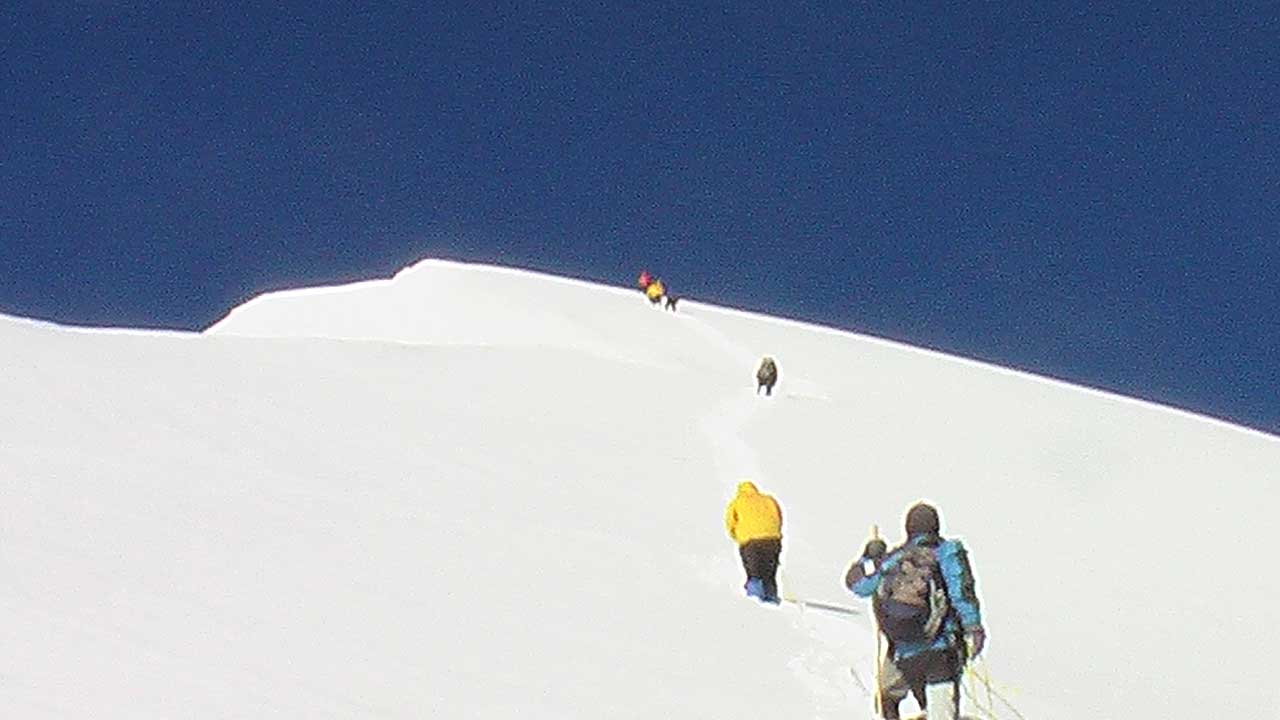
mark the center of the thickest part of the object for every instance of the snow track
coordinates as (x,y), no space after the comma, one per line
(823,668)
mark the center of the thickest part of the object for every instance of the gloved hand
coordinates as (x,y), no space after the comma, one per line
(875,549)
(975,640)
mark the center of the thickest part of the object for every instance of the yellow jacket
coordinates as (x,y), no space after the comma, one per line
(655,290)
(752,515)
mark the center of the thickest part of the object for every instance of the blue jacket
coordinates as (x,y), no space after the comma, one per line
(953,561)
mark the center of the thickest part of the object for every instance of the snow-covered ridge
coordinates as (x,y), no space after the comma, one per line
(508,505)
(436,302)
(444,302)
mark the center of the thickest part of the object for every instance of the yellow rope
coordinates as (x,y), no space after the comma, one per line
(972,674)
(971,690)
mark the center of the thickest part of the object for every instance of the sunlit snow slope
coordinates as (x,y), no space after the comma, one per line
(479,492)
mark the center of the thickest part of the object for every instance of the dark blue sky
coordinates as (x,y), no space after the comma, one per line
(1077,190)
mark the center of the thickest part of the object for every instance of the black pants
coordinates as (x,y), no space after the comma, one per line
(928,668)
(760,560)
(768,388)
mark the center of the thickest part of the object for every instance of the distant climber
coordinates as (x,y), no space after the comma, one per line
(754,521)
(644,280)
(766,376)
(926,606)
(655,291)
(671,301)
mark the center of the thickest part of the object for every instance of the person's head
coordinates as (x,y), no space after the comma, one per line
(922,519)
(746,487)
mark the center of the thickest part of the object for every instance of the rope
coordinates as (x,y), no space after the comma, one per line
(971,690)
(972,675)
(803,604)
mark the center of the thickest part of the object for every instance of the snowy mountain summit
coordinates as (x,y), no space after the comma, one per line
(478,492)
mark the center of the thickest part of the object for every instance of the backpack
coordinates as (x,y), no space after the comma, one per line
(911,602)
(768,370)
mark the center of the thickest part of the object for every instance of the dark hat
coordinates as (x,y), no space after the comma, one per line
(922,519)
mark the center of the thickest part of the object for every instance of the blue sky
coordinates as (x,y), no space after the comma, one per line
(1075,189)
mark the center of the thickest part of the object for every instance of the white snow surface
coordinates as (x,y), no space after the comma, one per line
(478,492)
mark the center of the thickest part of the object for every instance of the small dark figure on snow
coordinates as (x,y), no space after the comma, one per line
(925,604)
(766,376)
(671,302)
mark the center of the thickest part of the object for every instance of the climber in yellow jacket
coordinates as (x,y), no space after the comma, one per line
(655,291)
(754,521)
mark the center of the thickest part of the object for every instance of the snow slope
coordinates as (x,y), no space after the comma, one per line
(479,492)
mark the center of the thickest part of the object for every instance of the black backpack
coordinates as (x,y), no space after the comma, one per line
(911,602)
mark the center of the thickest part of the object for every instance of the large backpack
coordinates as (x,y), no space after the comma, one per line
(911,601)
(768,371)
